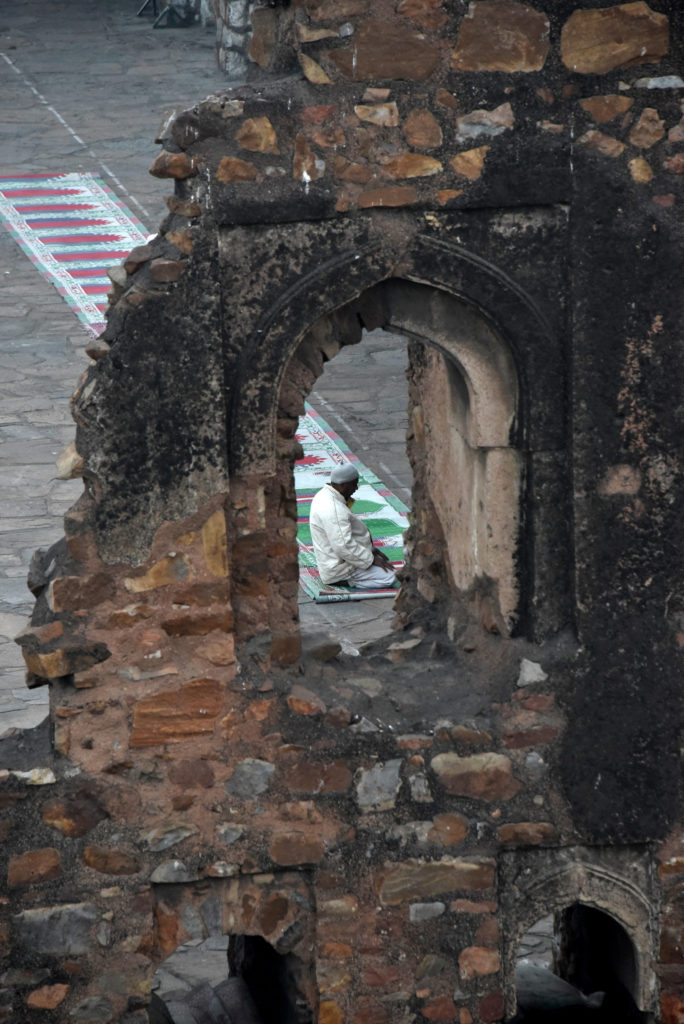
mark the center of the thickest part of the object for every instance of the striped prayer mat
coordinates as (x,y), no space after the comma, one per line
(385,514)
(72,228)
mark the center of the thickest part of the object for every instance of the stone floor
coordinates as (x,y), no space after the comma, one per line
(85,89)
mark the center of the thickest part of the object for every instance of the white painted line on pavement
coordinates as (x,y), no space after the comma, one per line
(27,82)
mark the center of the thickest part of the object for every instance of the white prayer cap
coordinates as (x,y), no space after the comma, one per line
(344,474)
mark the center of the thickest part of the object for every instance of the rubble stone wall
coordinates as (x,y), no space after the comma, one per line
(503,182)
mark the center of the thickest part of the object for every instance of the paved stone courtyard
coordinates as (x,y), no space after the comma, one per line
(87,92)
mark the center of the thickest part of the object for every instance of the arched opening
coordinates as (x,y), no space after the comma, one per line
(512,394)
(226,978)
(578,963)
(358,403)
(596,953)
(463,436)
(597,909)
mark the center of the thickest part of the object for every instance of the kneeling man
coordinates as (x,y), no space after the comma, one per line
(342,542)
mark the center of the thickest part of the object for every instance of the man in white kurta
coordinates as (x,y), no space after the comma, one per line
(342,542)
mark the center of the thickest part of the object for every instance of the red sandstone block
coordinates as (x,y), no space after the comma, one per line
(304,702)
(442,1009)
(33,867)
(491,1007)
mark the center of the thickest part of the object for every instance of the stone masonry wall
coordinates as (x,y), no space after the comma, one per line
(391,822)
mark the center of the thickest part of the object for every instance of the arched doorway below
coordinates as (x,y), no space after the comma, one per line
(577,965)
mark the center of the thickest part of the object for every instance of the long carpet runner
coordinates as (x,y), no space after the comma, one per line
(73,228)
(385,515)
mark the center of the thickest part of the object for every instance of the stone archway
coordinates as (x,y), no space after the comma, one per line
(616,882)
(507,439)
(464,400)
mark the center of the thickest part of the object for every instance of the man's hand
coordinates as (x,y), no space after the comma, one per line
(381,559)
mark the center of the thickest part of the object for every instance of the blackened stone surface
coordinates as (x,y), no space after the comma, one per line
(627,359)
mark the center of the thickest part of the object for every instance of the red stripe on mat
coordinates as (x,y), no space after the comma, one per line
(74,257)
(47,207)
(77,239)
(39,223)
(21,193)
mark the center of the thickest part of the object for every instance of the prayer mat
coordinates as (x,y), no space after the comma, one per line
(72,228)
(385,515)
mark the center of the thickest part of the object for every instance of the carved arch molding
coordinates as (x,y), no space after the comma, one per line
(617,881)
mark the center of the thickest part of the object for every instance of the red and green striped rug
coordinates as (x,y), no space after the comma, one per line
(72,227)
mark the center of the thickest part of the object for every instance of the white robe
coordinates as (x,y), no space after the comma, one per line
(341,540)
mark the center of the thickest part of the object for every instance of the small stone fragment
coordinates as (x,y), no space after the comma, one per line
(304,702)
(166,271)
(501,35)
(48,997)
(469,164)
(384,114)
(74,815)
(527,833)
(172,569)
(33,867)
(389,196)
(446,99)
(293,848)
(313,71)
(264,28)
(382,50)
(420,788)
(159,839)
(476,961)
(445,195)
(65,930)
(250,779)
(312,35)
(173,716)
(69,463)
(411,165)
(660,82)
(258,136)
(232,169)
(174,165)
(377,787)
(421,912)
(306,166)
(173,872)
(482,776)
(110,861)
(484,122)
(649,129)
(674,164)
(36,776)
(606,108)
(448,829)
(531,672)
(640,170)
(422,130)
(230,834)
(417,879)
(596,41)
(372,94)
